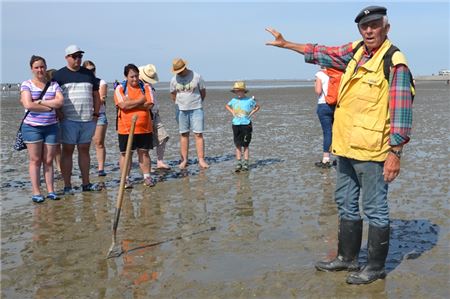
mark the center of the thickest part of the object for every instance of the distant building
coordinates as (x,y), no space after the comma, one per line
(444,72)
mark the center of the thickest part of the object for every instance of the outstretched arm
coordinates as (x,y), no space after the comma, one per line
(282,43)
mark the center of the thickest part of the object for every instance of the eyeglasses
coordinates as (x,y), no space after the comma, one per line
(76,55)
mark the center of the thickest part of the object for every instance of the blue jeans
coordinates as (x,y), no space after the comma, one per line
(325,113)
(354,176)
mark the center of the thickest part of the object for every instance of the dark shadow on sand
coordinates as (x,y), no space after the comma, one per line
(409,240)
(159,175)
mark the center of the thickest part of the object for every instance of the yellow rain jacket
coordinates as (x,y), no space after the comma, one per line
(361,120)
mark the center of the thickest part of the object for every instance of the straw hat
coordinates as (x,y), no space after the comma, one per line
(178,65)
(147,73)
(239,85)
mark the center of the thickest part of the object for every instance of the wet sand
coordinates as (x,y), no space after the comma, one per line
(272,223)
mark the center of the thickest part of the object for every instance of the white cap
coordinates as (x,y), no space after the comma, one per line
(73,49)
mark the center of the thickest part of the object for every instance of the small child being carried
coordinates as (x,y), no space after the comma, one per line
(242,107)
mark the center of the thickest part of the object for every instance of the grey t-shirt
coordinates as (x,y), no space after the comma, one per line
(188,90)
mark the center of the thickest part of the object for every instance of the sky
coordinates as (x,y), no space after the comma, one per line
(220,40)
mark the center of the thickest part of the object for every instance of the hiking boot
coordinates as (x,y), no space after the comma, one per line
(53,196)
(101,173)
(68,191)
(349,245)
(149,182)
(38,198)
(91,187)
(238,166)
(245,165)
(377,248)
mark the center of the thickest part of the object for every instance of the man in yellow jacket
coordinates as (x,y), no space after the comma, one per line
(372,122)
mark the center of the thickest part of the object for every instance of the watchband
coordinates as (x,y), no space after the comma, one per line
(397,153)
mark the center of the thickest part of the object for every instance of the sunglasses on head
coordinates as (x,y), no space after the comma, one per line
(76,55)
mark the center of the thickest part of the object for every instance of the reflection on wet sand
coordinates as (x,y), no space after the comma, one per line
(272,222)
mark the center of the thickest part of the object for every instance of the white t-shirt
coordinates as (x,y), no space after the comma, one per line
(188,90)
(103,106)
(324,79)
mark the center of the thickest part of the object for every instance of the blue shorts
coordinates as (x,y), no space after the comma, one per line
(102,120)
(46,134)
(191,119)
(77,132)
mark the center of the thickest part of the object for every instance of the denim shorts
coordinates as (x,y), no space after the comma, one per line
(46,134)
(102,120)
(77,132)
(191,119)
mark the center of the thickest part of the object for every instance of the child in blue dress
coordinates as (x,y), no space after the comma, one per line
(242,108)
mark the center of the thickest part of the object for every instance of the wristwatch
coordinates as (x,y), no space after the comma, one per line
(397,153)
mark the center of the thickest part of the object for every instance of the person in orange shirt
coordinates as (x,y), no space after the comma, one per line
(135,97)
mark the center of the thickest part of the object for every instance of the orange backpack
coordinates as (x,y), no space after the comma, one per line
(333,85)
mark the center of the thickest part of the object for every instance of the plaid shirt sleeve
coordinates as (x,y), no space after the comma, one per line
(332,57)
(400,105)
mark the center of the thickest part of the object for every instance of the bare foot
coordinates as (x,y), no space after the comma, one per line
(162,165)
(203,164)
(183,164)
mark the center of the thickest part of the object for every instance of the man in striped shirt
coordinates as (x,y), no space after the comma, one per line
(373,120)
(78,116)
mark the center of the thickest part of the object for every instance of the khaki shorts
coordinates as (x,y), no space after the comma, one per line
(159,132)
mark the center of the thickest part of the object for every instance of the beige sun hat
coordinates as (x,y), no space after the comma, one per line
(178,65)
(239,85)
(147,73)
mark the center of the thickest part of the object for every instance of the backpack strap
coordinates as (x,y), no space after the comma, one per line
(124,86)
(387,61)
(359,45)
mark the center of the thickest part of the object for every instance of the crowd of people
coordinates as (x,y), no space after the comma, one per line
(74,108)
(366,129)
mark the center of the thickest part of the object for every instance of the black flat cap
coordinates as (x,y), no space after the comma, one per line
(370,13)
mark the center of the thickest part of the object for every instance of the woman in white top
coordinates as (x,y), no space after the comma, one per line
(325,113)
(102,121)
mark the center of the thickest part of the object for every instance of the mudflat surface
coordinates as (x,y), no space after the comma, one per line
(271,223)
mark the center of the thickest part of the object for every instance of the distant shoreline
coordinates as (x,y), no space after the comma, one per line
(260,83)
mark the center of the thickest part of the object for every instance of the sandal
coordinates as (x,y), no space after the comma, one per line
(38,198)
(53,196)
(91,187)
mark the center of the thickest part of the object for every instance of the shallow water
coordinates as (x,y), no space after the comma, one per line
(272,223)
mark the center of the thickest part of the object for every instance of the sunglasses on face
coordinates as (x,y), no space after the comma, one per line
(76,56)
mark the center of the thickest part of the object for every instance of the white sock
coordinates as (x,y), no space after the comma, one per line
(146,175)
(325,159)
